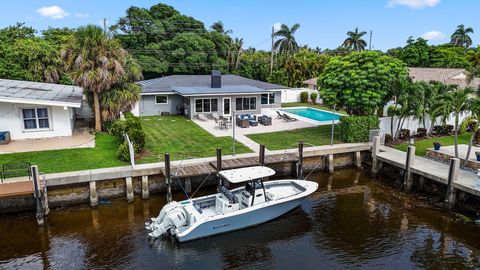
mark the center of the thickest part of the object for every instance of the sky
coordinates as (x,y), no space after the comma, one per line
(323,23)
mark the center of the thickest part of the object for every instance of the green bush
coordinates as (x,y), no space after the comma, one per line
(404,133)
(137,137)
(304,97)
(313,97)
(133,123)
(357,128)
(123,153)
(117,128)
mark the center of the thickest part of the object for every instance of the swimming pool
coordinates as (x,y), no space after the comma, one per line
(314,114)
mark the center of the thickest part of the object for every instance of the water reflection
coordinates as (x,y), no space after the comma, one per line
(351,222)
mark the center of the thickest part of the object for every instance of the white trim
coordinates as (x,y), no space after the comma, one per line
(249,97)
(156,103)
(224,94)
(41,102)
(38,129)
(158,93)
(223,106)
(195,105)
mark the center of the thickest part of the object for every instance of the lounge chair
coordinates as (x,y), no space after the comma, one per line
(279,116)
(287,118)
(215,116)
(202,117)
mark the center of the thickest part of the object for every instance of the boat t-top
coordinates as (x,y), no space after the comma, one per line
(253,203)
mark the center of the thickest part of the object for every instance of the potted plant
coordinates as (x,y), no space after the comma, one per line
(436,146)
(477,153)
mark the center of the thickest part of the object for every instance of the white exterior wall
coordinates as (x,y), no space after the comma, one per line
(293,95)
(61,121)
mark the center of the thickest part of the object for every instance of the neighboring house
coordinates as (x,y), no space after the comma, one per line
(190,95)
(33,110)
(311,83)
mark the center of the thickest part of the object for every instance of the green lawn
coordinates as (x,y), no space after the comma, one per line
(421,146)
(317,106)
(103,155)
(182,138)
(289,139)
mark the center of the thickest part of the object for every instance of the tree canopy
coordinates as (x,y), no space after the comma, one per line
(360,82)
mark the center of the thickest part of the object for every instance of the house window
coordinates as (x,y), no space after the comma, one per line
(35,118)
(161,99)
(268,98)
(246,104)
(204,105)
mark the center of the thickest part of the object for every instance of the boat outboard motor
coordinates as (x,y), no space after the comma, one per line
(173,215)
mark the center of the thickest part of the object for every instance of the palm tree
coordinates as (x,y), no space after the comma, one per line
(220,28)
(287,43)
(460,37)
(235,52)
(474,108)
(94,62)
(455,101)
(473,57)
(355,41)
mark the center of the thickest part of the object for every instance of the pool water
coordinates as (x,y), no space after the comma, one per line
(314,114)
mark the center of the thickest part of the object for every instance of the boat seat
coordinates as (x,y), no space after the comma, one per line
(197,207)
(231,198)
(270,196)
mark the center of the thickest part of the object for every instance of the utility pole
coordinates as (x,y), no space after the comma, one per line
(105,26)
(271,54)
(370,43)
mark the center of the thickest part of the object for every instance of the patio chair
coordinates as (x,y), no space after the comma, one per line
(241,121)
(289,118)
(202,117)
(215,116)
(265,120)
(280,116)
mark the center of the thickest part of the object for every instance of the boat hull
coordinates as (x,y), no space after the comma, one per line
(239,221)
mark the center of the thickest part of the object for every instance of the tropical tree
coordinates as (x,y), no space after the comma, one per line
(461,38)
(235,51)
(287,43)
(354,40)
(409,104)
(220,28)
(473,57)
(94,62)
(474,108)
(454,101)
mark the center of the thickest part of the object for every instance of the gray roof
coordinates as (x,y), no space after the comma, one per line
(13,91)
(196,90)
(202,82)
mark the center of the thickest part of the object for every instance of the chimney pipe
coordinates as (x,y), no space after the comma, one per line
(216,79)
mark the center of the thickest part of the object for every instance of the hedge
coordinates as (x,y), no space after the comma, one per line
(134,129)
(357,128)
(304,97)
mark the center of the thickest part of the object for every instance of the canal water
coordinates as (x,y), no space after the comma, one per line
(350,222)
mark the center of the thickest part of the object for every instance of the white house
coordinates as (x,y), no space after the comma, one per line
(33,110)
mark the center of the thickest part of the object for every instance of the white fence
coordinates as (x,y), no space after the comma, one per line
(413,124)
(293,94)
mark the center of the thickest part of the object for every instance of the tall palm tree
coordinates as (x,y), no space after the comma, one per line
(94,62)
(355,41)
(455,101)
(287,43)
(220,28)
(461,38)
(235,51)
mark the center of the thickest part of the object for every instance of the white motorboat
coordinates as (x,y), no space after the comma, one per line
(254,203)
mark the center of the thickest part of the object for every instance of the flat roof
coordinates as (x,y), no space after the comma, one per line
(235,176)
(202,90)
(26,92)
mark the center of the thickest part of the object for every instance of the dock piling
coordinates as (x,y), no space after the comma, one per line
(452,177)
(219,168)
(168,177)
(129,184)
(93,194)
(408,177)
(37,194)
(261,156)
(299,167)
(145,190)
(358,159)
(375,151)
(330,163)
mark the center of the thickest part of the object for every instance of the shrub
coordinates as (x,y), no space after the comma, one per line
(448,129)
(357,128)
(404,133)
(123,153)
(391,111)
(468,125)
(127,115)
(438,130)
(133,123)
(421,132)
(313,97)
(137,137)
(304,97)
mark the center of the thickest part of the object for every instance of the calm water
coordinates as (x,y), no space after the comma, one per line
(314,114)
(358,223)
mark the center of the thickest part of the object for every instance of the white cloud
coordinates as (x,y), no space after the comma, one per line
(54,12)
(81,15)
(415,4)
(276,26)
(433,35)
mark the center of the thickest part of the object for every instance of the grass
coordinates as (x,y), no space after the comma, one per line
(103,155)
(289,139)
(182,138)
(316,106)
(421,146)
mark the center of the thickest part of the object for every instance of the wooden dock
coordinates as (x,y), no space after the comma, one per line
(16,189)
(430,169)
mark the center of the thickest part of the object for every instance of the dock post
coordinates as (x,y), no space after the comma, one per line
(358,159)
(145,190)
(299,168)
(408,178)
(330,163)
(129,184)
(375,151)
(219,168)
(93,194)
(37,194)
(168,177)
(452,177)
(188,184)
(261,156)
